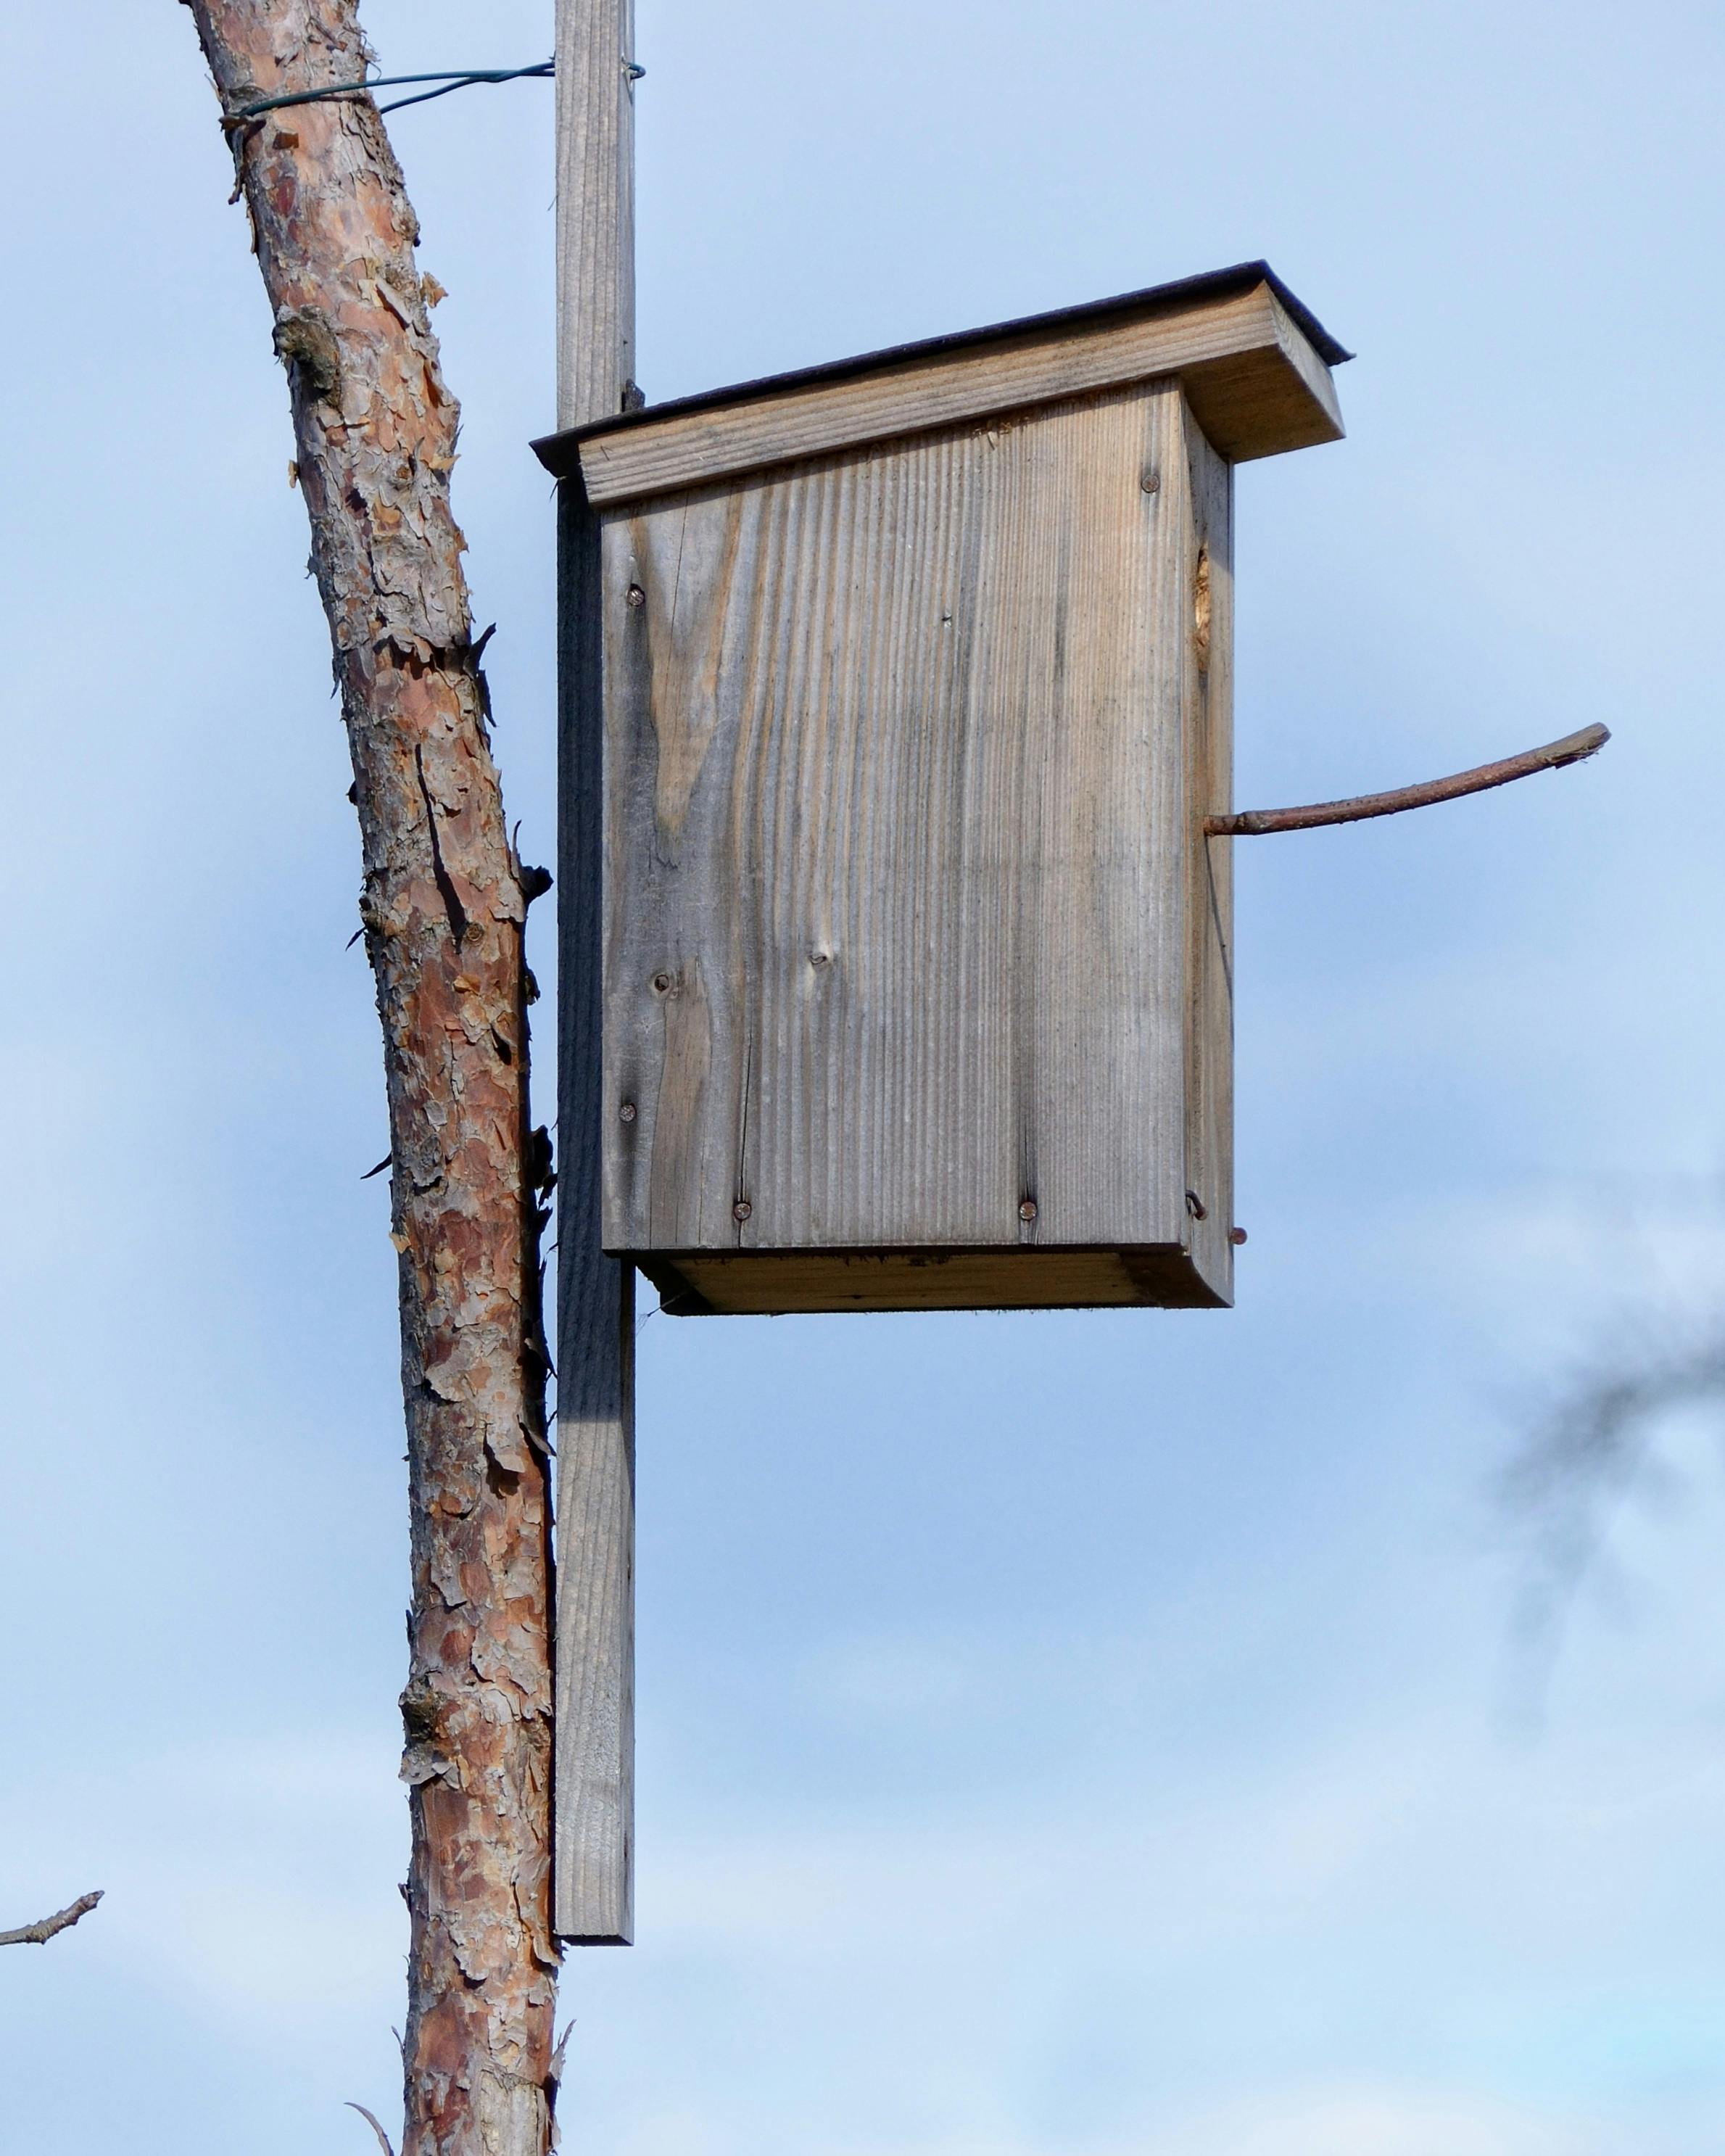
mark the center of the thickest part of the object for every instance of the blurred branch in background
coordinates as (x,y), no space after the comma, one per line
(1593,1442)
(39,1934)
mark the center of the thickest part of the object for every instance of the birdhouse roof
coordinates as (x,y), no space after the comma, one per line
(1254,362)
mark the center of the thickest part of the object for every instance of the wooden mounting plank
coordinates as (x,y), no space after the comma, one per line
(596,208)
(593,1897)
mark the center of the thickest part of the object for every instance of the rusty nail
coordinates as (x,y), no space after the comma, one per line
(1196,1207)
(1236,1236)
(661,984)
(1027,1211)
(741,1209)
(636,596)
(1151,480)
(628,1112)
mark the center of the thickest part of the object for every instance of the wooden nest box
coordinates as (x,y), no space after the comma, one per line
(900,694)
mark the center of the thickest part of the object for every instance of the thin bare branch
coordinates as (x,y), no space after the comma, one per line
(1254,822)
(39,1934)
(383,2138)
(1588,1449)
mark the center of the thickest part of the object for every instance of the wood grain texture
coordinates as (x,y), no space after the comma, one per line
(1250,374)
(593,1894)
(596,208)
(1208,716)
(900,847)
(593,1897)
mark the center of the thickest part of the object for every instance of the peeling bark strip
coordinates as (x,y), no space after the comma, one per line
(444,905)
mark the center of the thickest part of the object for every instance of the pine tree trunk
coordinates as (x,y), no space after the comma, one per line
(443,907)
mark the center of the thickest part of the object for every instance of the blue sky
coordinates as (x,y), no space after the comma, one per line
(1061,1736)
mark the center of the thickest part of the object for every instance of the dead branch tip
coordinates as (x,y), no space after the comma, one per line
(39,1934)
(1554,756)
(383,2138)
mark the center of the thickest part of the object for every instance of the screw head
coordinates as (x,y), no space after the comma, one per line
(635,595)
(1027,1211)
(1151,480)
(627,1112)
(741,1209)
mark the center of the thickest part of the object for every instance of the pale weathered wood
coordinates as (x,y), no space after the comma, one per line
(592,1901)
(596,208)
(595,1658)
(1251,376)
(901,859)
(1208,726)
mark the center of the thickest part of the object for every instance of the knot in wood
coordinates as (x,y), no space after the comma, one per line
(1201,608)
(421,1711)
(306,345)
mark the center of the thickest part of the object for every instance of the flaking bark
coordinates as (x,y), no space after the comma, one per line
(443,907)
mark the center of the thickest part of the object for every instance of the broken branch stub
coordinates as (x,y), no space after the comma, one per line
(1256,823)
(39,1933)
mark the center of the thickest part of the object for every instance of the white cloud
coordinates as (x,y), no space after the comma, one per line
(1182,1864)
(1367,2122)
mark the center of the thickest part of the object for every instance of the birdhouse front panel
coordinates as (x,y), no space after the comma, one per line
(916,692)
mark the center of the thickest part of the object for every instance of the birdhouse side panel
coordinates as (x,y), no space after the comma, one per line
(1087,606)
(1208,725)
(899,854)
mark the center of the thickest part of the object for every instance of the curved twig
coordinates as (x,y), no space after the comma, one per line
(39,1934)
(375,2126)
(1254,822)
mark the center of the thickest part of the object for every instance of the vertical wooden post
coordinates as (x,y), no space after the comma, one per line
(596,208)
(594,1896)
